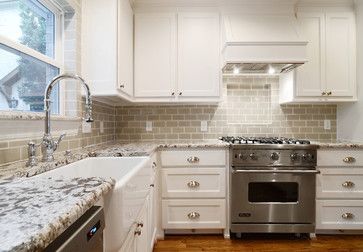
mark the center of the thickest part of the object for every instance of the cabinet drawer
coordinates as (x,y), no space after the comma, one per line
(340,183)
(339,214)
(193,158)
(194,183)
(333,157)
(187,214)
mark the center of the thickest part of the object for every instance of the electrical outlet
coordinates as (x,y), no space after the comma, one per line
(149,126)
(102,129)
(86,127)
(327,124)
(203,126)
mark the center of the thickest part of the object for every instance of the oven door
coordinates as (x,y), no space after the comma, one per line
(266,196)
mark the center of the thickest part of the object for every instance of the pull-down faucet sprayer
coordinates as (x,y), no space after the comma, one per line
(49,145)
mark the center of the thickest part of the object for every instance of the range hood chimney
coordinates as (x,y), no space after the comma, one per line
(262,44)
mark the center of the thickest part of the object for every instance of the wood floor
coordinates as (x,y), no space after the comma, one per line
(216,243)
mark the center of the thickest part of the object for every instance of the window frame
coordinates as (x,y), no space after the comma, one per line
(57,61)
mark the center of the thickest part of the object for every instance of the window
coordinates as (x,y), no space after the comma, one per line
(29,54)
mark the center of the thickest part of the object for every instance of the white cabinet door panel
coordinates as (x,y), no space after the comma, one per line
(198,54)
(310,76)
(155,49)
(340,60)
(125,64)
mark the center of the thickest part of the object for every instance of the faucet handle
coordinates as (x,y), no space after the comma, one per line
(56,143)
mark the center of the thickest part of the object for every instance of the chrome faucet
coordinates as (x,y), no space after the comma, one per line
(49,145)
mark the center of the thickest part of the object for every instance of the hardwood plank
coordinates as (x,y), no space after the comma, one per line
(260,243)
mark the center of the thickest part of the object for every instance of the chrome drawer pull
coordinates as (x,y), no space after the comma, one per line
(349,160)
(348,184)
(193,184)
(193,159)
(347,216)
(193,215)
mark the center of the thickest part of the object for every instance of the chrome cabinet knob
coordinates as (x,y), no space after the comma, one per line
(152,185)
(173,93)
(180,93)
(348,184)
(139,224)
(193,159)
(347,216)
(154,164)
(137,231)
(122,85)
(323,93)
(349,160)
(329,93)
(193,184)
(193,215)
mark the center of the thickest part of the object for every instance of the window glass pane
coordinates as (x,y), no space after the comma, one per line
(29,23)
(23,80)
(273,192)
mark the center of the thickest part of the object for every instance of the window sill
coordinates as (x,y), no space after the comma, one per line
(34,116)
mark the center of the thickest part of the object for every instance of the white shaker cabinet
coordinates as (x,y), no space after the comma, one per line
(340,54)
(198,54)
(177,57)
(339,190)
(107,48)
(329,75)
(155,54)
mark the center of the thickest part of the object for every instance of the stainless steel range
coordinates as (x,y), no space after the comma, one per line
(272,185)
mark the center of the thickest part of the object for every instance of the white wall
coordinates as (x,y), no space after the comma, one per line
(350,116)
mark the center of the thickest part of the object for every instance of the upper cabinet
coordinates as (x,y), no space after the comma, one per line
(329,75)
(198,55)
(155,55)
(107,48)
(177,57)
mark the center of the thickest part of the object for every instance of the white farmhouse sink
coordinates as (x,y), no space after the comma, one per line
(123,204)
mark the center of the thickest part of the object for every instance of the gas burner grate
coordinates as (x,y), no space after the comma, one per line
(262,140)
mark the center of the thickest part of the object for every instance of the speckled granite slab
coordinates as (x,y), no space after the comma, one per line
(33,211)
(339,145)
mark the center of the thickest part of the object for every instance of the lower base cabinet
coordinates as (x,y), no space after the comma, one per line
(339,191)
(141,237)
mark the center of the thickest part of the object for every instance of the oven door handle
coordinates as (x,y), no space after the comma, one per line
(278,171)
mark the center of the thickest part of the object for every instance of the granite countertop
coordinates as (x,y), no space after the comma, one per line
(35,211)
(339,145)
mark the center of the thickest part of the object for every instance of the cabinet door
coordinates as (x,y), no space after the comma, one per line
(125,47)
(152,217)
(129,244)
(198,54)
(310,77)
(99,36)
(340,54)
(142,244)
(155,49)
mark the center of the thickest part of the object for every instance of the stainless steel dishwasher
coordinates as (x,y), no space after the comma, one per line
(86,234)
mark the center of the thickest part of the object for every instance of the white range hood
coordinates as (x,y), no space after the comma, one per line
(262,43)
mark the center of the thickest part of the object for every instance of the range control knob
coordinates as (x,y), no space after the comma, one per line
(294,156)
(275,156)
(241,156)
(253,156)
(307,157)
